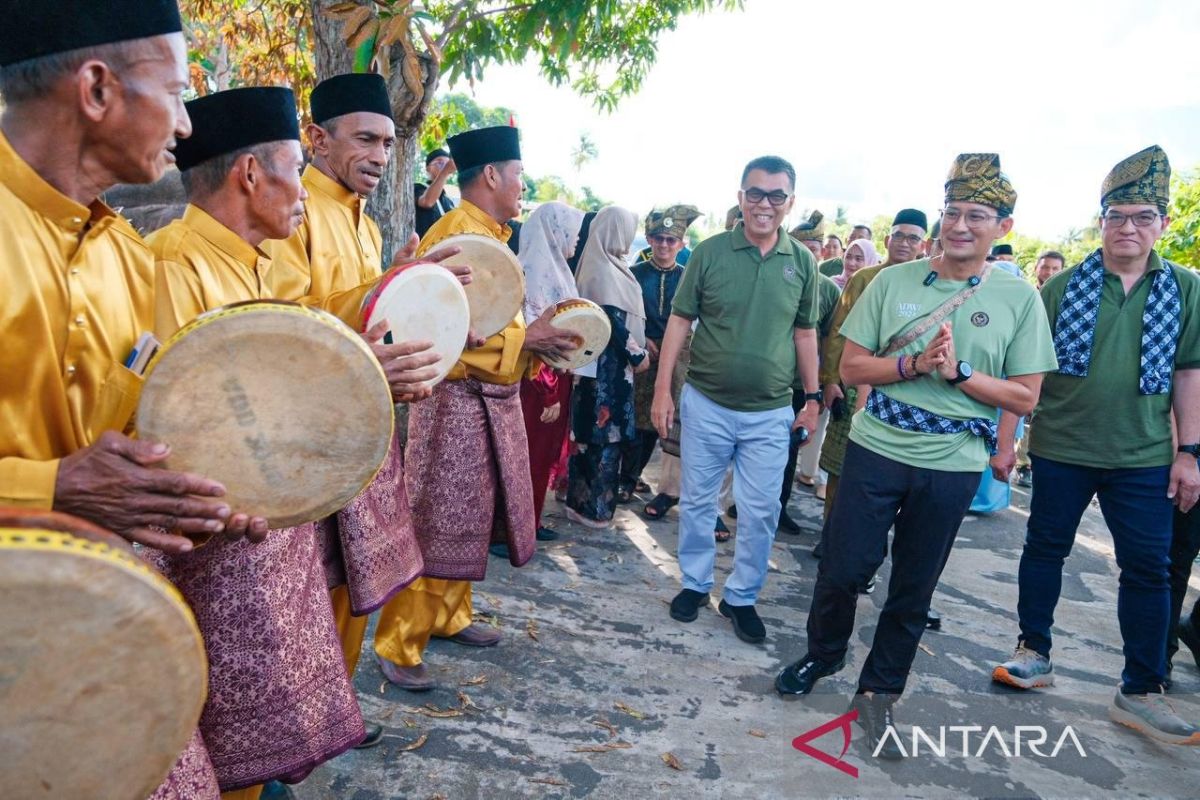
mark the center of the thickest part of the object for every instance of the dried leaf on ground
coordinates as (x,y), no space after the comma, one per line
(383,687)
(549,781)
(465,701)
(493,601)
(633,712)
(409,722)
(477,680)
(601,722)
(430,710)
(603,748)
(531,627)
(671,761)
(926,649)
(757,732)
(413,745)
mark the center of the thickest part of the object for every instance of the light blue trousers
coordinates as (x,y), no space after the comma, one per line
(756,442)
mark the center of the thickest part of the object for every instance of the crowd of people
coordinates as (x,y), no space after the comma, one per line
(895,381)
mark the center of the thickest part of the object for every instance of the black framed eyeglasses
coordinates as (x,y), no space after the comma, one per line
(754,196)
(1142,219)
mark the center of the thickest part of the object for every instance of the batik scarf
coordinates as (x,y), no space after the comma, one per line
(1075,328)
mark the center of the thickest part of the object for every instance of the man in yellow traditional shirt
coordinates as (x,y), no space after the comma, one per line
(92,96)
(468,460)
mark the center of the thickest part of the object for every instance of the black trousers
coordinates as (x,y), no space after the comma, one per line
(1185,546)
(635,455)
(789,472)
(927,507)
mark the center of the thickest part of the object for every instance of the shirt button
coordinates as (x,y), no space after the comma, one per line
(79,320)
(76,220)
(70,369)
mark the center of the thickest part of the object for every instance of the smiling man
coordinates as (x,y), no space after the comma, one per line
(943,342)
(1127,331)
(753,294)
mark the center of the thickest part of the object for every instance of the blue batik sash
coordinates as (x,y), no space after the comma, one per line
(908,417)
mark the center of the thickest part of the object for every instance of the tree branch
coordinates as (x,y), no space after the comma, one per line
(467,20)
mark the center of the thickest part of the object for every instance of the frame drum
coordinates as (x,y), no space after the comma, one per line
(497,288)
(102,668)
(422,301)
(588,320)
(284,405)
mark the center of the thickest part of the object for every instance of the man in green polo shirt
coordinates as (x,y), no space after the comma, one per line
(943,342)
(1126,328)
(753,295)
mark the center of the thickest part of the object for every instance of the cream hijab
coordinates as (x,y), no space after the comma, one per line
(547,239)
(604,277)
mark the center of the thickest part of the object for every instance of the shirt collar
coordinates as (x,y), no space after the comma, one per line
(33,190)
(315,179)
(222,237)
(498,229)
(740,242)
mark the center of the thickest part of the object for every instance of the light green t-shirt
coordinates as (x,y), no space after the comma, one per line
(1001,330)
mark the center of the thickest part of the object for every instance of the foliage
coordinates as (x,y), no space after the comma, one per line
(584,152)
(1181,243)
(455,113)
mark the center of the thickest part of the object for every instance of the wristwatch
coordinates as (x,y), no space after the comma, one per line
(1192,449)
(818,395)
(964,372)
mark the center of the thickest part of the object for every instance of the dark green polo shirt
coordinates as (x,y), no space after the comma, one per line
(1102,420)
(831,267)
(748,305)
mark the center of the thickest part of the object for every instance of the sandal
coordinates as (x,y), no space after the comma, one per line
(660,505)
(624,495)
(722,532)
(642,486)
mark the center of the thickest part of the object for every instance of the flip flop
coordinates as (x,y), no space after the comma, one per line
(721,531)
(660,505)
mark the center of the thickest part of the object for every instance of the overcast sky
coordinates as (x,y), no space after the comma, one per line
(871,100)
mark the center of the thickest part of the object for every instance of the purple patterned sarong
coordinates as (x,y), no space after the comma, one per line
(192,777)
(279,702)
(468,477)
(370,546)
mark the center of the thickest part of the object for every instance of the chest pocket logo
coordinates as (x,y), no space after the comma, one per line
(908,310)
(789,273)
(980,319)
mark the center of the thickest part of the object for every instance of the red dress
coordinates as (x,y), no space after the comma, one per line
(546,440)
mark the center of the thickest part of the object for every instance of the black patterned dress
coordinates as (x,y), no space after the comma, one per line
(602,418)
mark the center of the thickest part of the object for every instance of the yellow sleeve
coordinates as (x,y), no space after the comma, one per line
(831,354)
(346,305)
(178,298)
(27,483)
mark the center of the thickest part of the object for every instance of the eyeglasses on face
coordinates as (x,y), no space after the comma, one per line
(911,238)
(975,219)
(660,239)
(754,196)
(1142,219)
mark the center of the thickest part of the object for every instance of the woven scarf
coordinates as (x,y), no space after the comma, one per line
(1075,328)
(908,417)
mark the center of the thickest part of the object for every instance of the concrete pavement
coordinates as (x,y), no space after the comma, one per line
(596,693)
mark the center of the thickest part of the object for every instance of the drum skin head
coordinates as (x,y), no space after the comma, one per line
(102,669)
(424,301)
(497,288)
(283,405)
(588,320)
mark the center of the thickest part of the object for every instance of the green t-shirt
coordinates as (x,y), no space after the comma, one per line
(1102,420)
(1001,330)
(748,305)
(831,267)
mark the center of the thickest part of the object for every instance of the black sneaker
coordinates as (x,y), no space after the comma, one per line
(746,623)
(686,605)
(800,677)
(875,717)
(818,551)
(869,587)
(933,621)
(1187,635)
(787,524)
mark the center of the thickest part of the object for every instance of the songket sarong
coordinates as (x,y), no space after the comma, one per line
(279,702)
(192,777)
(837,435)
(468,478)
(643,385)
(370,546)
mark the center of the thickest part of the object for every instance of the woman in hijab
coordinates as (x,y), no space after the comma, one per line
(548,241)
(602,415)
(861,253)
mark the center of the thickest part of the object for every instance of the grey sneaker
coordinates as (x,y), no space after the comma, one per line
(1027,669)
(1152,715)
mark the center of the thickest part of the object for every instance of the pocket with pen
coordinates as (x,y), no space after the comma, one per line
(117,402)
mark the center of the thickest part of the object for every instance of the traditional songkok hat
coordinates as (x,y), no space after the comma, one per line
(1143,178)
(236,118)
(674,221)
(976,178)
(1002,250)
(812,228)
(346,94)
(36,28)
(436,152)
(484,146)
(911,216)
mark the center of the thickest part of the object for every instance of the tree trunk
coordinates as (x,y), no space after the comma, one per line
(391,205)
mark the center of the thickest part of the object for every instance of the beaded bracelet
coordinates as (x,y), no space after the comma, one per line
(900,368)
